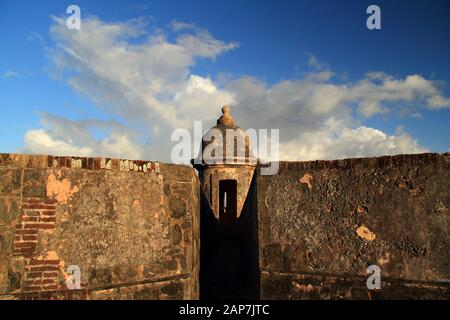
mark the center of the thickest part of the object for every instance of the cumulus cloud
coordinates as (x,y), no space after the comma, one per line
(315,117)
(335,140)
(377,92)
(304,104)
(40,141)
(147,79)
(130,78)
(61,136)
(197,94)
(438,102)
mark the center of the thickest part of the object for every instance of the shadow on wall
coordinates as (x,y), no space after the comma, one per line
(229,247)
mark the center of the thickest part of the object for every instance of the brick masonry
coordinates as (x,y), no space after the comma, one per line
(37,214)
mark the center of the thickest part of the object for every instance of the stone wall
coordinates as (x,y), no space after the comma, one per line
(132,227)
(322,223)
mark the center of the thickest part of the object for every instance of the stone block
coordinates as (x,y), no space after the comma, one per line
(34,183)
(10,182)
(9,210)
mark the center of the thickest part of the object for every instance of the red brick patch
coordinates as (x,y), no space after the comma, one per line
(41,275)
(37,214)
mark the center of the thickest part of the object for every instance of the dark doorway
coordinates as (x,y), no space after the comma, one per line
(227,210)
(228,255)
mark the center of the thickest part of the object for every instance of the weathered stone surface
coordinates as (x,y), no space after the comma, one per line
(9,210)
(15,280)
(23,161)
(10,182)
(317,286)
(177,207)
(177,235)
(163,290)
(134,233)
(4,264)
(120,227)
(339,217)
(34,183)
(6,239)
(9,213)
(176,172)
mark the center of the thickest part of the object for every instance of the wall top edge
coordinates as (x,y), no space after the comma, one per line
(33,161)
(387,161)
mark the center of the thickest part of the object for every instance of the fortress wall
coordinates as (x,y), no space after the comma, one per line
(322,223)
(131,227)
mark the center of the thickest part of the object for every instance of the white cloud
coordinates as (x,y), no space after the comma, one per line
(199,96)
(76,137)
(34,36)
(179,25)
(317,96)
(336,141)
(438,102)
(417,115)
(41,142)
(315,63)
(148,80)
(133,80)
(377,91)
(204,45)
(120,146)
(199,42)
(44,142)
(11,74)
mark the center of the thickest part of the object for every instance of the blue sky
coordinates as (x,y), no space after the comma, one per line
(263,54)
